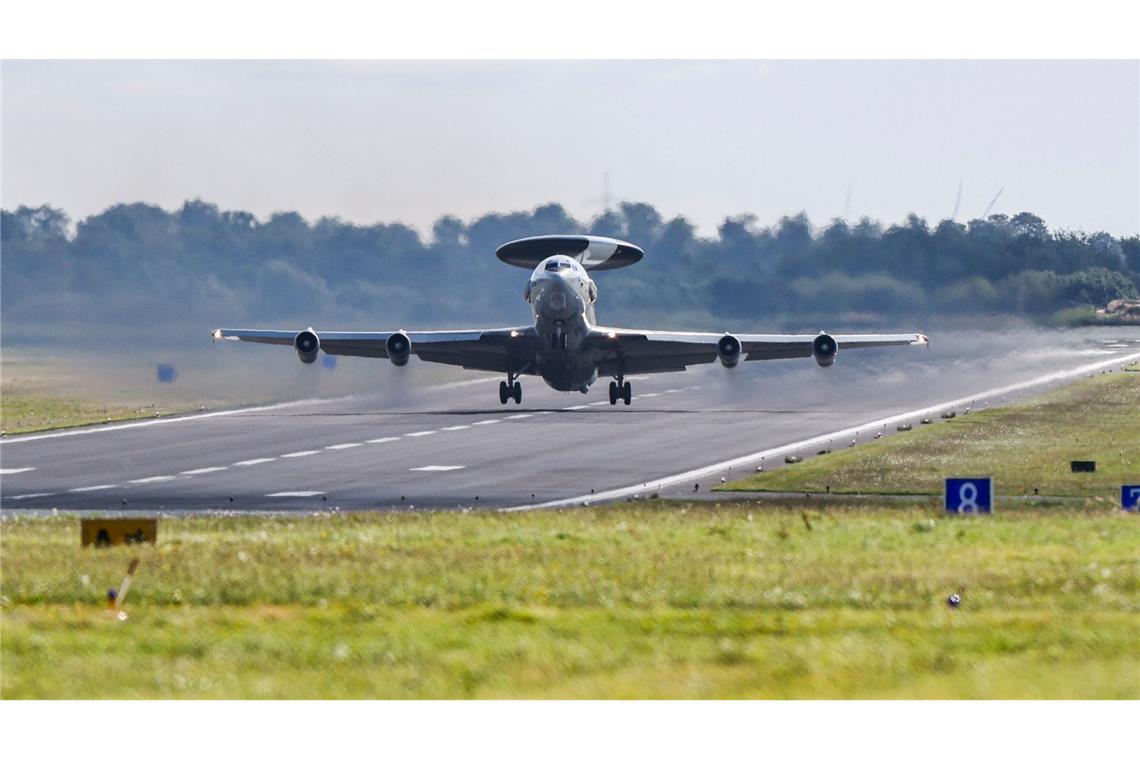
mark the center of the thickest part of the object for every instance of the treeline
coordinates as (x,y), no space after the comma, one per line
(141,267)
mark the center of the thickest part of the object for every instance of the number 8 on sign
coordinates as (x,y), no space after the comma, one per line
(969,496)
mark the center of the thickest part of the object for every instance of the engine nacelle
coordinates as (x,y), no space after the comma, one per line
(824,349)
(308,345)
(399,348)
(728,350)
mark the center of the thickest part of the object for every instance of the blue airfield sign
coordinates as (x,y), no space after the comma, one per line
(1130,497)
(969,496)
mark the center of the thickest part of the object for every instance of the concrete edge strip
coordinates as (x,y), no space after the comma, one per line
(749,459)
(109,428)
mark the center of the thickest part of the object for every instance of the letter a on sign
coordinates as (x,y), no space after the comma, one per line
(969,496)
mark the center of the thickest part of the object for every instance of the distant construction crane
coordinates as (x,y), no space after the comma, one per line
(957,202)
(986,213)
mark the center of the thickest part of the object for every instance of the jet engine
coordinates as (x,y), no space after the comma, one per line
(399,348)
(824,349)
(308,345)
(728,349)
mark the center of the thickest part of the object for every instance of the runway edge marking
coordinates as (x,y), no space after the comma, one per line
(749,459)
(87,430)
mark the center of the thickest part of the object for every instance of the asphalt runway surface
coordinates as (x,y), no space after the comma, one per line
(452,445)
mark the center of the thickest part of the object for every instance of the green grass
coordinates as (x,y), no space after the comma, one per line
(1022,447)
(27,407)
(652,600)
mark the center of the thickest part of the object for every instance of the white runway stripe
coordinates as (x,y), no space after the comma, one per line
(249,462)
(154,479)
(421,433)
(485,422)
(295,493)
(438,468)
(519,416)
(382,440)
(300,454)
(85,489)
(15,470)
(457,427)
(161,421)
(568,408)
(31,496)
(341,446)
(203,470)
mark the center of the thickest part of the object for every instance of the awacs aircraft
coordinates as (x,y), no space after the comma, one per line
(565,346)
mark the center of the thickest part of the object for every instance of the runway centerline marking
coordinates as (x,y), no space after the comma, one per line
(567,408)
(31,496)
(485,422)
(382,440)
(15,470)
(249,462)
(202,470)
(597,403)
(153,479)
(85,489)
(419,433)
(342,446)
(300,454)
(294,493)
(457,427)
(437,468)
(649,395)
(519,416)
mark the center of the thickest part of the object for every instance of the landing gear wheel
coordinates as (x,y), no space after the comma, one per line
(504,393)
(516,392)
(627,393)
(613,393)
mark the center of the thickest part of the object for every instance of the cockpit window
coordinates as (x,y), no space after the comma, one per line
(554,266)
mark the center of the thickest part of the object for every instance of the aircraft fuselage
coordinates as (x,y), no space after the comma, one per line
(562,296)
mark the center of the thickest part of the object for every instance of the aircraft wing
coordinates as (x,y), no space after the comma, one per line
(641,351)
(494,350)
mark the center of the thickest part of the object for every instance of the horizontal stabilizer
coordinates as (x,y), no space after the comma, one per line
(592,252)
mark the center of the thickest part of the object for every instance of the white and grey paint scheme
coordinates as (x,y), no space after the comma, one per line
(565,345)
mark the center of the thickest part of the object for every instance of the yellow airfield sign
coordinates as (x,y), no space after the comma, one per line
(118,530)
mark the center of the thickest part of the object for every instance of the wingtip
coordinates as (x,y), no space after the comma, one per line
(217,334)
(921,340)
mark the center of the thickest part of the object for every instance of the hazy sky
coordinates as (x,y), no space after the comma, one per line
(411,141)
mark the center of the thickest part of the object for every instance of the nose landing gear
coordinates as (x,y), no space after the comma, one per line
(622,390)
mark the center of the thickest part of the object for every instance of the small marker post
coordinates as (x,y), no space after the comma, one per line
(125,586)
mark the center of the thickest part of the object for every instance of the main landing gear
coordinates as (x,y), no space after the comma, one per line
(622,390)
(510,390)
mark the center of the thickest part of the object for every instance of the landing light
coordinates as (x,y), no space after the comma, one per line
(514,333)
(612,335)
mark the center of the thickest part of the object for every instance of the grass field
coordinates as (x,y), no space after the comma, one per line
(26,407)
(652,600)
(1023,447)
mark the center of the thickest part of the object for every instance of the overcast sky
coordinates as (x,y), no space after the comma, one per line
(411,141)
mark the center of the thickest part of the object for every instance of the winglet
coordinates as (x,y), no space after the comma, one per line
(921,340)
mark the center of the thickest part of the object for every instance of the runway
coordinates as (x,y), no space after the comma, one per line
(453,446)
